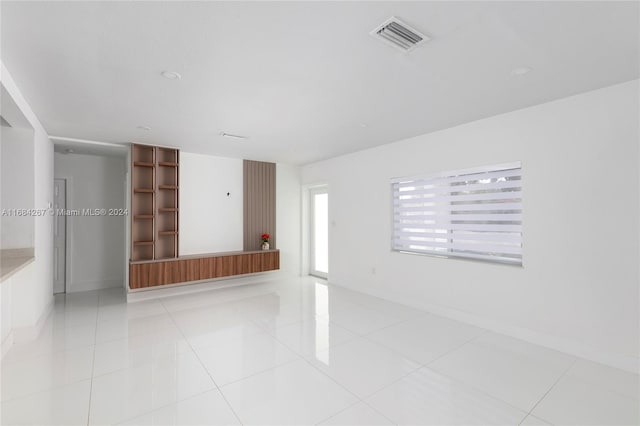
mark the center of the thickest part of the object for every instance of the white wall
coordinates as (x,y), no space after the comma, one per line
(17,191)
(6,320)
(578,290)
(32,290)
(288,217)
(13,303)
(96,242)
(210,221)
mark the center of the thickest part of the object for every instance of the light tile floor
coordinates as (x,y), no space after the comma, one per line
(293,351)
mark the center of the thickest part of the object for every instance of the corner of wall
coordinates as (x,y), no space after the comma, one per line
(36,302)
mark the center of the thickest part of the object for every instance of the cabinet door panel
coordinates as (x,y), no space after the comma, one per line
(151,274)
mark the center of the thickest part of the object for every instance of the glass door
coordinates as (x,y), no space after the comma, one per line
(319,253)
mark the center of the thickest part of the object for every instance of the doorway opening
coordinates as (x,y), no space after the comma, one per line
(60,236)
(319,232)
(91,216)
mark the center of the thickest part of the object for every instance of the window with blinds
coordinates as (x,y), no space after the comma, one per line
(473,213)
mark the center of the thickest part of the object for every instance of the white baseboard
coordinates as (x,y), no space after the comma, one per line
(198,286)
(24,334)
(622,361)
(31,332)
(95,285)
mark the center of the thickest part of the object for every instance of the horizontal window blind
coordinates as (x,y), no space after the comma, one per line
(473,213)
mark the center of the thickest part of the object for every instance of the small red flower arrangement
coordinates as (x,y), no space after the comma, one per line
(265,238)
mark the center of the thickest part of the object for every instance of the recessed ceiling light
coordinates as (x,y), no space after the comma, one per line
(69,151)
(146,128)
(232,136)
(171,75)
(517,72)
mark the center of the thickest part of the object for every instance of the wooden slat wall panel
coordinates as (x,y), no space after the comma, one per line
(134,276)
(142,275)
(240,264)
(191,269)
(259,180)
(206,268)
(157,274)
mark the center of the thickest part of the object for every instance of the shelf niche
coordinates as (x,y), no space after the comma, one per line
(154,201)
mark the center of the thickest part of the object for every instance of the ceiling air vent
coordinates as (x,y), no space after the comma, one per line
(399,35)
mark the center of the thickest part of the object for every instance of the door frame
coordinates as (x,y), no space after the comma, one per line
(313,191)
(67,233)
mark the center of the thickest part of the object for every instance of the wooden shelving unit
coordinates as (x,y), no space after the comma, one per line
(155,257)
(154,200)
(142,202)
(142,216)
(167,195)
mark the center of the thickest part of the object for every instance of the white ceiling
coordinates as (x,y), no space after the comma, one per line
(103,149)
(304,80)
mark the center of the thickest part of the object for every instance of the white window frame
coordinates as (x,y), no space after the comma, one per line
(484,224)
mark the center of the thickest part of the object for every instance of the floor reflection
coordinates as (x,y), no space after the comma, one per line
(322,327)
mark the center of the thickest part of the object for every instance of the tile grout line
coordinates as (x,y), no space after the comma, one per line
(48,354)
(261,371)
(360,401)
(380,311)
(454,379)
(40,391)
(425,365)
(466,342)
(474,388)
(349,391)
(152,409)
(363,399)
(365,402)
(470,386)
(608,390)
(339,412)
(262,331)
(93,361)
(219,388)
(303,358)
(564,373)
(202,365)
(357,336)
(479,390)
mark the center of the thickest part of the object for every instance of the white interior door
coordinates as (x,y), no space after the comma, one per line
(319,233)
(59,237)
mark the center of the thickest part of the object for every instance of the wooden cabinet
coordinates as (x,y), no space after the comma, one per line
(154,202)
(154,227)
(203,267)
